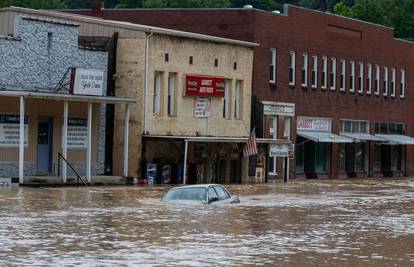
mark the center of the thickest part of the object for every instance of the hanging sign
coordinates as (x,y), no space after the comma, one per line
(87,82)
(314,124)
(10,130)
(202,108)
(278,150)
(204,86)
(77,133)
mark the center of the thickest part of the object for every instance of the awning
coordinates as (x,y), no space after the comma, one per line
(397,139)
(324,137)
(216,139)
(363,137)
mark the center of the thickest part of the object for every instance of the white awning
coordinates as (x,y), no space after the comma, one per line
(397,139)
(217,139)
(363,137)
(324,137)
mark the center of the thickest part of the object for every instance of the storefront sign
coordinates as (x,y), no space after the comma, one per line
(77,133)
(279,150)
(87,82)
(278,108)
(10,130)
(314,124)
(204,86)
(202,108)
(291,151)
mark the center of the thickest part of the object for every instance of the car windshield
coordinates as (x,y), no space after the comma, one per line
(193,193)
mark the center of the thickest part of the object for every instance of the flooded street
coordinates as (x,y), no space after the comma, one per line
(304,223)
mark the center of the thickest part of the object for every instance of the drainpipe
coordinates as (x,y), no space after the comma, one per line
(147,36)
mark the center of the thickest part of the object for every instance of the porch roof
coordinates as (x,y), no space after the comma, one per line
(218,139)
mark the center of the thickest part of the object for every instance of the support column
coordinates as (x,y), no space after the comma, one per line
(21,141)
(185,162)
(126,134)
(65,140)
(89,148)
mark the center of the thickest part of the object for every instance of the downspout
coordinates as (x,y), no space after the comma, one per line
(147,36)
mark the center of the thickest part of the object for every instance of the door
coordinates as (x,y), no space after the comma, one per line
(44,145)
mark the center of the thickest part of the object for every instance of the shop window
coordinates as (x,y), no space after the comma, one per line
(342,75)
(393,74)
(352,77)
(314,71)
(272,67)
(305,70)
(292,68)
(385,81)
(353,157)
(361,78)
(311,157)
(226,100)
(402,83)
(377,79)
(369,78)
(333,74)
(272,135)
(238,100)
(172,85)
(156,93)
(324,78)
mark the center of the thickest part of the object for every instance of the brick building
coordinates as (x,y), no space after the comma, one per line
(348,81)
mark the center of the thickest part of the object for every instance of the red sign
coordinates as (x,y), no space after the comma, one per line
(204,86)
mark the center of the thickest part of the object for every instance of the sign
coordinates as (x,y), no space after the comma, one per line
(291,150)
(204,86)
(278,108)
(10,130)
(151,173)
(314,124)
(87,82)
(77,133)
(279,150)
(202,108)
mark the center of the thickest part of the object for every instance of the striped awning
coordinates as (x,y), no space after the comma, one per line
(397,139)
(324,137)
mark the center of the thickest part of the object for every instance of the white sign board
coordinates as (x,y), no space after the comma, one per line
(278,109)
(314,124)
(77,133)
(202,107)
(279,150)
(88,82)
(10,130)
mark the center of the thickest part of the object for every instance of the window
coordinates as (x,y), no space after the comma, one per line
(377,80)
(272,135)
(238,100)
(171,105)
(166,57)
(393,74)
(221,193)
(226,102)
(212,193)
(333,74)
(389,128)
(234,65)
(190,60)
(402,83)
(292,68)
(324,71)
(49,40)
(369,78)
(157,93)
(314,71)
(286,132)
(352,77)
(272,69)
(342,75)
(305,70)
(216,62)
(361,78)
(385,81)
(351,126)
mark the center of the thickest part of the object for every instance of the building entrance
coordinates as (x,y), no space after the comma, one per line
(44,145)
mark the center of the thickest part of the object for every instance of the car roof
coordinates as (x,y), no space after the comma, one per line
(195,186)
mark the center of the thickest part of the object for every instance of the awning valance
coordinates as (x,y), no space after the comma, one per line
(216,139)
(397,139)
(363,137)
(324,137)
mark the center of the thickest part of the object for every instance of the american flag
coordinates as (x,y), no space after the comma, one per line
(251,146)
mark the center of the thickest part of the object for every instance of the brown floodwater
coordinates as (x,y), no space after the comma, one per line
(303,223)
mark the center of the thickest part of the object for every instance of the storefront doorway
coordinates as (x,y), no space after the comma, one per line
(44,145)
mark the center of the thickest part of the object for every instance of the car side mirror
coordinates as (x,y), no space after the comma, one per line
(212,199)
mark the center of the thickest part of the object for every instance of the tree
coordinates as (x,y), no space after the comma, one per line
(185,4)
(35,4)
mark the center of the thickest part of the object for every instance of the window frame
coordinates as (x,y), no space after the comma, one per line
(402,83)
(361,78)
(304,69)
(385,93)
(156,105)
(171,94)
(314,77)
(227,99)
(324,73)
(342,76)
(369,78)
(352,77)
(273,135)
(377,80)
(292,68)
(332,74)
(393,80)
(272,67)
(238,92)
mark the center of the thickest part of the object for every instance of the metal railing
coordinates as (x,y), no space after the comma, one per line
(60,156)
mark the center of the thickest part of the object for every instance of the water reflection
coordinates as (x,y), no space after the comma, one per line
(352,223)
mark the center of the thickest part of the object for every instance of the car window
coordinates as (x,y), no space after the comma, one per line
(212,193)
(221,193)
(196,193)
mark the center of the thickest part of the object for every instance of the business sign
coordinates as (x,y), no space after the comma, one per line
(10,130)
(279,150)
(87,82)
(314,124)
(202,107)
(77,133)
(204,86)
(278,109)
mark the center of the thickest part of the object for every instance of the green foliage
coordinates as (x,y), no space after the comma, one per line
(185,4)
(36,4)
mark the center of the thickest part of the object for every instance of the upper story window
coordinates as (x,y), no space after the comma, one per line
(314,71)
(361,78)
(324,78)
(402,83)
(377,79)
(171,101)
(226,100)
(352,77)
(342,75)
(272,67)
(333,74)
(385,81)
(305,70)
(369,79)
(156,93)
(292,68)
(353,126)
(272,135)
(393,74)
(238,100)
(389,128)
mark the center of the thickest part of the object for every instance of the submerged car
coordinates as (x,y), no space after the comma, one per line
(205,193)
